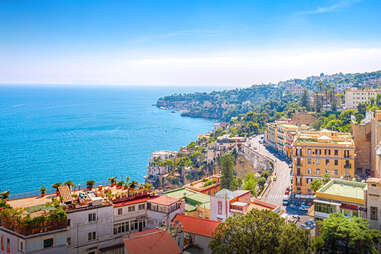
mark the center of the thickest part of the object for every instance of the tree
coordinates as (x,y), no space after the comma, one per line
(56,185)
(305,102)
(250,183)
(339,234)
(43,190)
(4,195)
(112,179)
(259,232)
(326,178)
(316,184)
(69,184)
(226,165)
(90,184)
(378,100)
(236,184)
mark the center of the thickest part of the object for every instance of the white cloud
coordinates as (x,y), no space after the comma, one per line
(330,8)
(219,69)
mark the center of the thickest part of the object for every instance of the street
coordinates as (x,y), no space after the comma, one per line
(275,192)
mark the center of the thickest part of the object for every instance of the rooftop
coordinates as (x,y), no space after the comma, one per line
(225,193)
(343,190)
(197,225)
(164,200)
(153,241)
(192,198)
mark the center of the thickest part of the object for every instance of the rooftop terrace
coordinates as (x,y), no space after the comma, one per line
(342,190)
(192,198)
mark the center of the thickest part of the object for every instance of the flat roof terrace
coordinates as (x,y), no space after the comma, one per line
(347,191)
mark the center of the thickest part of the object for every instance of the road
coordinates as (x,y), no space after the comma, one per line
(274,193)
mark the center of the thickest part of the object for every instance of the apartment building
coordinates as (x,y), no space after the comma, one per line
(85,221)
(354,96)
(316,153)
(277,132)
(367,138)
(374,203)
(340,196)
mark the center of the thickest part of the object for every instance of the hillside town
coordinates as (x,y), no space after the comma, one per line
(299,169)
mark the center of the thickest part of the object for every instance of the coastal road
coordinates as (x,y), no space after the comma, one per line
(274,193)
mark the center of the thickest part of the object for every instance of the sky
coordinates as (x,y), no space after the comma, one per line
(185,42)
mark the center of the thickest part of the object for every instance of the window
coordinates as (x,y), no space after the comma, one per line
(336,152)
(48,243)
(336,162)
(120,211)
(327,162)
(131,208)
(309,161)
(318,171)
(21,245)
(317,161)
(68,222)
(309,151)
(121,227)
(219,207)
(92,236)
(298,190)
(373,213)
(336,172)
(141,207)
(298,171)
(309,171)
(68,241)
(309,180)
(327,171)
(92,217)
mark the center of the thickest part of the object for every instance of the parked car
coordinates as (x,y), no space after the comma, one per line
(295,218)
(310,224)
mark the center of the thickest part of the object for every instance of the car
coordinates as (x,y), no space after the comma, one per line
(310,223)
(303,226)
(287,192)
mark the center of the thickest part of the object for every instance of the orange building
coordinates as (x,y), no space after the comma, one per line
(208,185)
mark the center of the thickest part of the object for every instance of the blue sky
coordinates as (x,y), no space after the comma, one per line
(198,42)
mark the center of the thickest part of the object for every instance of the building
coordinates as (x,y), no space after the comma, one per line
(277,134)
(158,166)
(208,185)
(300,118)
(316,153)
(198,232)
(225,203)
(153,241)
(196,204)
(374,203)
(86,221)
(354,96)
(340,196)
(367,138)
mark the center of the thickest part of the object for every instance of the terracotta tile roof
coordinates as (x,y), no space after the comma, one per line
(264,204)
(196,225)
(164,200)
(153,241)
(65,193)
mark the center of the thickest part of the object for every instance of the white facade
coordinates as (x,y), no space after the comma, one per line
(43,243)
(90,229)
(354,97)
(159,214)
(374,203)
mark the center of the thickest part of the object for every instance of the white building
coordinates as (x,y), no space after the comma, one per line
(354,96)
(374,203)
(225,202)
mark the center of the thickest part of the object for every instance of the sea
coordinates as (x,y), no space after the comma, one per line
(54,134)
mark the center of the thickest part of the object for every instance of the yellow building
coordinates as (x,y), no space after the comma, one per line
(316,153)
(277,132)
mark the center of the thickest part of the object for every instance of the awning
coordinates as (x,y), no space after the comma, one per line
(326,202)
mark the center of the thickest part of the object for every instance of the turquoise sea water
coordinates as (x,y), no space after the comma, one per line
(55,134)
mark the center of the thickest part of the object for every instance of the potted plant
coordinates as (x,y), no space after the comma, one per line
(90,184)
(55,186)
(119,185)
(112,180)
(43,190)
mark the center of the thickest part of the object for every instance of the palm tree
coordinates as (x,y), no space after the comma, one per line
(133,184)
(90,184)
(43,190)
(4,194)
(56,185)
(70,184)
(112,179)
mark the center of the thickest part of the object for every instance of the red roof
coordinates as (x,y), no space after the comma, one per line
(196,225)
(164,200)
(153,241)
